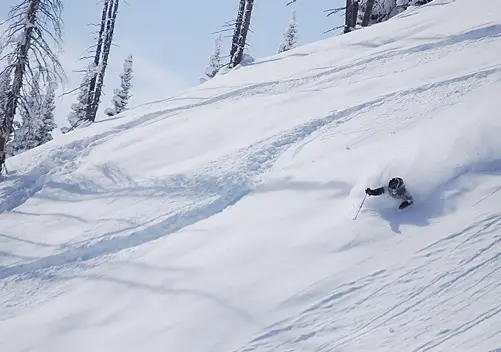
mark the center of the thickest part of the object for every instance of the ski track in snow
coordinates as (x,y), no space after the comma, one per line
(65,159)
(426,94)
(227,188)
(392,299)
(438,48)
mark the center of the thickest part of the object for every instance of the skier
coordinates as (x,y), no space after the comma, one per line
(396,189)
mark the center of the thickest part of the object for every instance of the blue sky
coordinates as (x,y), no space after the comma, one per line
(171,42)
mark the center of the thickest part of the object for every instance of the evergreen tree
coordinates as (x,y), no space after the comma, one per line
(4,91)
(37,119)
(290,35)
(26,135)
(5,84)
(215,60)
(47,124)
(367,9)
(383,10)
(122,95)
(78,113)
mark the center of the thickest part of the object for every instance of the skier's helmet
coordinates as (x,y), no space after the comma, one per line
(395,183)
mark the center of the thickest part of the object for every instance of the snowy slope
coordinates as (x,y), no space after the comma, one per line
(221,219)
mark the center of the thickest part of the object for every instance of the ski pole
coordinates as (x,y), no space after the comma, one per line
(360,208)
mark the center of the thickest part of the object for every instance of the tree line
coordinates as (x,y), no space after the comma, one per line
(32,71)
(357,14)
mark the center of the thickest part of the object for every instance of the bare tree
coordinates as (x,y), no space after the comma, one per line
(85,111)
(242,39)
(108,40)
(348,16)
(97,60)
(237,31)
(29,27)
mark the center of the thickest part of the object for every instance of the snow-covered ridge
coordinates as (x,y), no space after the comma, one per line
(221,219)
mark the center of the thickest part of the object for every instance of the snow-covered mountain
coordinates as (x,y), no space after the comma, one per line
(222,219)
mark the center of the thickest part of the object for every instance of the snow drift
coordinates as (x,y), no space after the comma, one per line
(460,140)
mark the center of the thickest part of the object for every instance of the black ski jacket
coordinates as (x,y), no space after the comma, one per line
(400,193)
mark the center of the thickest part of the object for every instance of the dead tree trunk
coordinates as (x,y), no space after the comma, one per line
(354,15)
(367,13)
(97,59)
(238,30)
(110,28)
(243,33)
(347,17)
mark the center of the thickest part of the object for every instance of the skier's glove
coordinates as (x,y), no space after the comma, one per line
(369,192)
(404,205)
